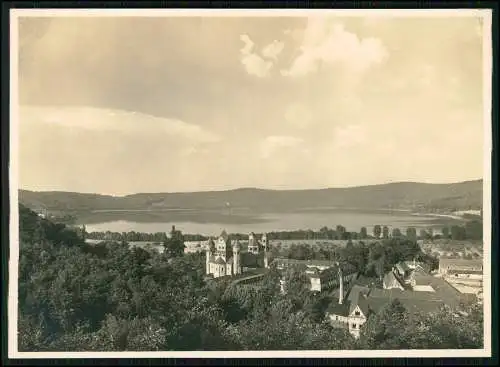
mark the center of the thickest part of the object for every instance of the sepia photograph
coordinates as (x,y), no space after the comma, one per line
(242,183)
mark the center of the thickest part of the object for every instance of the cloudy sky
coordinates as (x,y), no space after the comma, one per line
(120,105)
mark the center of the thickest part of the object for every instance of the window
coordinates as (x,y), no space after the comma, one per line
(354,326)
(357,313)
(336,317)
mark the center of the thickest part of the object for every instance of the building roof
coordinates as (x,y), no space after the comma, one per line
(460,262)
(224,235)
(412,305)
(339,309)
(391,280)
(358,299)
(443,292)
(420,279)
(465,271)
(449,294)
(220,261)
(402,267)
(358,289)
(391,294)
(421,266)
(283,260)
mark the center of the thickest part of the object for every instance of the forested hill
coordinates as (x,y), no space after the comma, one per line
(401,195)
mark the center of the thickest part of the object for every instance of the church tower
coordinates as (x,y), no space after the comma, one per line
(222,247)
(209,251)
(236,258)
(253,246)
(264,242)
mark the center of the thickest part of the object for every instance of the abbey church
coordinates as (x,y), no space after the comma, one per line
(225,257)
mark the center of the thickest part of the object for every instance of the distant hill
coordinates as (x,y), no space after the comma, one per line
(401,195)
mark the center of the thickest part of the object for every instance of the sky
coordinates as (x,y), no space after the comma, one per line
(120,105)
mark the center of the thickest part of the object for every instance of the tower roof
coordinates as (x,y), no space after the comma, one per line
(224,235)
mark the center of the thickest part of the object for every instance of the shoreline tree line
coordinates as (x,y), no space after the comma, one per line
(471,230)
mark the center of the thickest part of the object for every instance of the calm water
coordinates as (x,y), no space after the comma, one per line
(213,223)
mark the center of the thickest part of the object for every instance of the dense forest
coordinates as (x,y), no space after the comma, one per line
(77,297)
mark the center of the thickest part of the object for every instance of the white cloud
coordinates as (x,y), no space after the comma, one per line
(272,144)
(330,43)
(272,50)
(254,64)
(98,119)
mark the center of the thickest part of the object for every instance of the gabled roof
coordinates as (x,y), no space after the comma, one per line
(339,309)
(358,289)
(391,280)
(220,261)
(357,299)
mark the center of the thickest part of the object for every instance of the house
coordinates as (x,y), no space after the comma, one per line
(351,312)
(322,274)
(459,266)
(328,278)
(284,263)
(428,295)
(401,275)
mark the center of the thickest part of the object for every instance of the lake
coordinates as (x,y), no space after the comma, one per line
(213,222)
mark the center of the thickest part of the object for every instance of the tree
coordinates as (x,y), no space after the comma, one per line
(341,232)
(385,232)
(174,247)
(363,234)
(383,330)
(377,231)
(411,234)
(474,230)
(458,233)
(396,233)
(446,232)
(423,234)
